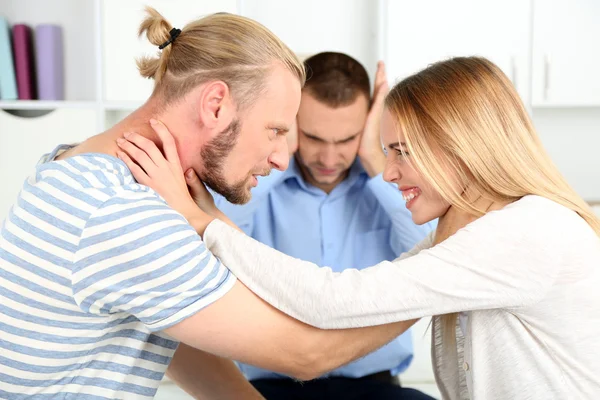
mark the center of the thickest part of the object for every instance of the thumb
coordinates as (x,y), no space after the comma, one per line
(197,189)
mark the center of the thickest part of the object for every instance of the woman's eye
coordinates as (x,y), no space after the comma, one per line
(401,153)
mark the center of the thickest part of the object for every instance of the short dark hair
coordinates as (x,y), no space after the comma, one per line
(336,79)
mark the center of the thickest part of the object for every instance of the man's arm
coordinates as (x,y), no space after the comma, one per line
(243,327)
(206,376)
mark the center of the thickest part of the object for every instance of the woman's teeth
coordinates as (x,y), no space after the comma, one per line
(411,194)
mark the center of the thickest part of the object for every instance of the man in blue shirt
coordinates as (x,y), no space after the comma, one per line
(332,207)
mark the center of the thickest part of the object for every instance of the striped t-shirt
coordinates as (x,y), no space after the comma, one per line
(92,267)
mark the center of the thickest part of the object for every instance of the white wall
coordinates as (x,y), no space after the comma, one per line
(313,26)
(572,138)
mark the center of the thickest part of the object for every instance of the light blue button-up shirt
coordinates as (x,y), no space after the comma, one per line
(362,222)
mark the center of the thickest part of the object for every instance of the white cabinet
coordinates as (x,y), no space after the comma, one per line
(566,53)
(419,33)
(24,140)
(121,46)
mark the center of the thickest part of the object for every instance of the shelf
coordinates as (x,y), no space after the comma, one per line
(45,105)
(121,105)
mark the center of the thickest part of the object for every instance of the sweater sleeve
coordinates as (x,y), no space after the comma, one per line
(502,260)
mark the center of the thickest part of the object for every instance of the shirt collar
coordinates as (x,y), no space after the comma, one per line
(58,150)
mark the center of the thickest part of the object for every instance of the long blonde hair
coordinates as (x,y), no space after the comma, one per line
(236,50)
(463,116)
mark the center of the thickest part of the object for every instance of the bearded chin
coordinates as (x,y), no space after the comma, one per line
(237,193)
(213,156)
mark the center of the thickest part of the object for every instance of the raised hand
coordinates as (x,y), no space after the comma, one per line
(370,151)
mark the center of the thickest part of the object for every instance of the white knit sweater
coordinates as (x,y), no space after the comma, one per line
(528,277)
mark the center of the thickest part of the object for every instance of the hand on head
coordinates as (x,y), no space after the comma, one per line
(370,150)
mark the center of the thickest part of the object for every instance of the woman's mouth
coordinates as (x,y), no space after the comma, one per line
(410,194)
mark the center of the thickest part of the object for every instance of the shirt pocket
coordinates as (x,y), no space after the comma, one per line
(372,247)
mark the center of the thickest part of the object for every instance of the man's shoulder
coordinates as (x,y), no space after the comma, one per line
(89,170)
(91,182)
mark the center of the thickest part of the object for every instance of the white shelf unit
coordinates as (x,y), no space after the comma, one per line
(45,105)
(100,47)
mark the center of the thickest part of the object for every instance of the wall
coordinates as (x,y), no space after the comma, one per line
(572,138)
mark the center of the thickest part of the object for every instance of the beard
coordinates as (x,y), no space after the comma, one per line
(213,156)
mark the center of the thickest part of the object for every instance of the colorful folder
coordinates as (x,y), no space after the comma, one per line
(49,62)
(23,54)
(8,83)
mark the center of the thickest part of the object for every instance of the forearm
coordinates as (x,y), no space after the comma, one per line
(317,296)
(206,376)
(243,327)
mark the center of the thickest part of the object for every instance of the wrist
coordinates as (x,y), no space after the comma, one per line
(200,222)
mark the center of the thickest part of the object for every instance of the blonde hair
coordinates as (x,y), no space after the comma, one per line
(222,46)
(463,116)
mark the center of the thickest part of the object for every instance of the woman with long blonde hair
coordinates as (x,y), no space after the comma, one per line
(510,276)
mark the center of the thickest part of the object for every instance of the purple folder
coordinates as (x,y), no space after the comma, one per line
(49,57)
(23,53)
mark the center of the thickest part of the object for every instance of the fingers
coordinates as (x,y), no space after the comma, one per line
(378,101)
(198,191)
(167,140)
(131,144)
(196,187)
(138,173)
(380,75)
(147,145)
(380,89)
(380,95)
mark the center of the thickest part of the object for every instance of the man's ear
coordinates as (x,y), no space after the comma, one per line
(216,107)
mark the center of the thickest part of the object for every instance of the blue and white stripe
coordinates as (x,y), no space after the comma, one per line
(92,267)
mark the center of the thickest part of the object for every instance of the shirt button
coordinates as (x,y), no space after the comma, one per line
(465,366)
